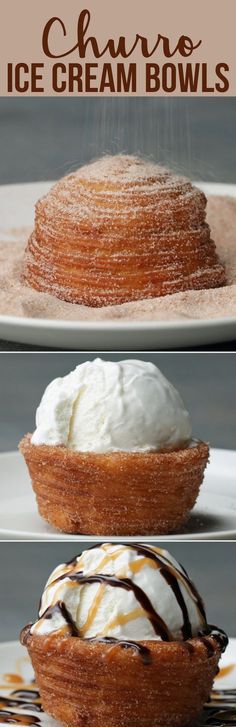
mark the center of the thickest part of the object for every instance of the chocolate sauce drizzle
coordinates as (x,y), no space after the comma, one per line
(23,700)
(157,622)
(168,572)
(60,607)
(142,650)
(220,711)
(217,634)
(8,717)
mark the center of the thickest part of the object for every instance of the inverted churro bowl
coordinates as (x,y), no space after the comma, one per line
(121,229)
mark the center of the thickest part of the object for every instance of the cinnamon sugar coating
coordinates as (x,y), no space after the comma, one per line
(116,493)
(121,229)
(91,683)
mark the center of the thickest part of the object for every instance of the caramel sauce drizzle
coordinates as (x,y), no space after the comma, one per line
(122,619)
(93,610)
(153,557)
(225,670)
(23,700)
(142,650)
(157,622)
(7,717)
(167,568)
(13,679)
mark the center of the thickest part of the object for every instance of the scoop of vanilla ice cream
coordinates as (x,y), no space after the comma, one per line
(105,406)
(101,608)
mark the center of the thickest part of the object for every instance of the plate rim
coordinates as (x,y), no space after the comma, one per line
(115,325)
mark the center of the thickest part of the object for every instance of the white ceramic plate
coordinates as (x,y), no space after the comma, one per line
(213,517)
(17,210)
(18,692)
(15,665)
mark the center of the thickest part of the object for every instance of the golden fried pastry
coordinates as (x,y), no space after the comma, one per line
(92,683)
(88,669)
(115,493)
(121,229)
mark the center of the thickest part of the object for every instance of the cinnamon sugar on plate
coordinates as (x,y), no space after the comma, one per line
(17,299)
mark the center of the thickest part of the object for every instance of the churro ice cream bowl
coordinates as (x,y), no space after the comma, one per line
(122,638)
(113,452)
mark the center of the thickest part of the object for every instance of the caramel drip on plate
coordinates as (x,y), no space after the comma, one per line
(23,700)
(13,679)
(7,717)
(224,671)
(22,697)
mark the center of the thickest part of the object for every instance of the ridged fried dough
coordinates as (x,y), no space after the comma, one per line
(116,493)
(94,684)
(118,230)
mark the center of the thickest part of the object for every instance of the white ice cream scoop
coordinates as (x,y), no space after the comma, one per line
(105,406)
(131,592)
